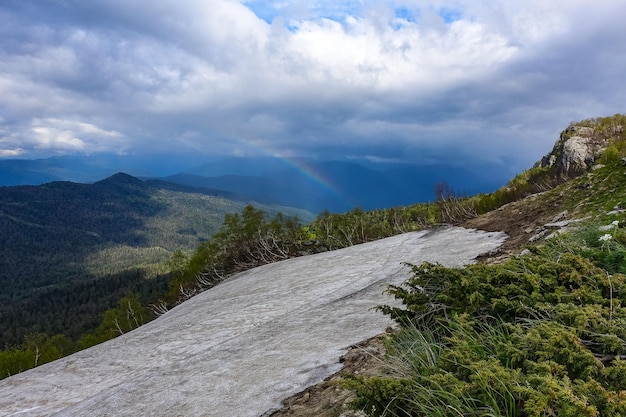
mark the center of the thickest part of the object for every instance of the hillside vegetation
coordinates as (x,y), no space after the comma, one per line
(71,251)
(532,336)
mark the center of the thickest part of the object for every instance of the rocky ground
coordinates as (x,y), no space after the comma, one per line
(329,398)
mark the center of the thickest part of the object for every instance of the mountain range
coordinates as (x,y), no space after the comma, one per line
(336,186)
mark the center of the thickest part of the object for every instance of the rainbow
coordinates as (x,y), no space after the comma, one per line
(301,166)
(311,173)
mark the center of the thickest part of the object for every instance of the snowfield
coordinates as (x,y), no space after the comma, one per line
(243,346)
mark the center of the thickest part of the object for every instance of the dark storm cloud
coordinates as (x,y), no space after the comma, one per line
(403,80)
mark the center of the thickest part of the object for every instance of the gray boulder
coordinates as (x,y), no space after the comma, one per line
(576,151)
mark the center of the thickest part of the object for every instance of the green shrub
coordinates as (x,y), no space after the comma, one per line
(534,336)
(610,154)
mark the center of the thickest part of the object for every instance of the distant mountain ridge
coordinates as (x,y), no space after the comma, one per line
(90,168)
(333,185)
(339,186)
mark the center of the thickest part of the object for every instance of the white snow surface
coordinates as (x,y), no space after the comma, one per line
(243,346)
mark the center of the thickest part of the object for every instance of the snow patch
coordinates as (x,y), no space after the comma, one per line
(246,344)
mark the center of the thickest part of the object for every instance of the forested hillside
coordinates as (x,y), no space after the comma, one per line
(250,238)
(70,251)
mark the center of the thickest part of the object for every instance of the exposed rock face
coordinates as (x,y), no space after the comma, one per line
(577,155)
(576,151)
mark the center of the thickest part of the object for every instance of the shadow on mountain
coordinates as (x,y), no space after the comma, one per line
(46,216)
(47,233)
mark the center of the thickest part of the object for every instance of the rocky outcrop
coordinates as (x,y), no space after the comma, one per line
(576,150)
(559,224)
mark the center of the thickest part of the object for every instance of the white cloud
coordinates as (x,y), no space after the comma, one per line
(307,76)
(50,138)
(10,153)
(67,135)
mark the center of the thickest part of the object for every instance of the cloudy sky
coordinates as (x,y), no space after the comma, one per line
(398,80)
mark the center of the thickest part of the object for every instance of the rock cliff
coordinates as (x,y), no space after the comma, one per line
(579,146)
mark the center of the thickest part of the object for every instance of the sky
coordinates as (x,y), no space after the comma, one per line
(419,81)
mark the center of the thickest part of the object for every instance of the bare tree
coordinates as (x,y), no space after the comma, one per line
(453,208)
